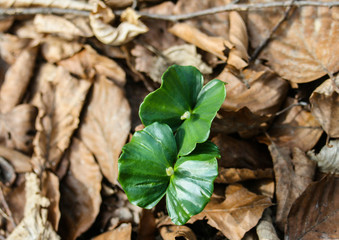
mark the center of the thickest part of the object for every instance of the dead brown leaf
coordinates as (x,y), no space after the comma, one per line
(265,228)
(6,23)
(233,175)
(173,232)
(17,128)
(80,192)
(325,106)
(11,47)
(7,176)
(56,49)
(304,47)
(17,79)
(315,214)
(292,176)
(106,125)
(232,216)
(147,227)
(87,63)
(123,232)
(60,98)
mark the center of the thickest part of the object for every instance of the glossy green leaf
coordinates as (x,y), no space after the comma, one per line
(191,185)
(143,164)
(185,105)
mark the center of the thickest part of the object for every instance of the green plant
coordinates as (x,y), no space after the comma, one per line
(171,155)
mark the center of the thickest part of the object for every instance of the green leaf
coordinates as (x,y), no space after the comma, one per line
(143,164)
(191,186)
(183,104)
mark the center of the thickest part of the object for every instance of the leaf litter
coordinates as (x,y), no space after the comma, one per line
(64,117)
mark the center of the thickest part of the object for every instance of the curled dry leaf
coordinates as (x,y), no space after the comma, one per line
(60,98)
(11,47)
(106,125)
(17,79)
(304,47)
(7,173)
(123,232)
(233,217)
(315,215)
(265,229)
(55,49)
(129,28)
(67,28)
(17,128)
(34,225)
(6,23)
(147,227)
(325,106)
(328,157)
(295,128)
(233,175)
(19,161)
(174,232)
(80,192)
(292,177)
(70,4)
(114,4)
(87,63)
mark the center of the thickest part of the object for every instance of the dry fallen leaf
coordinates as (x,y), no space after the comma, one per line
(80,192)
(237,213)
(315,215)
(34,226)
(233,175)
(17,128)
(328,157)
(325,106)
(88,62)
(19,161)
(106,125)
(60,98)
(71,4)
(265,228)
(304,47)
(17,79)
(7,176)
(292,178)
(6,23)
(173,232)
(123,232)
(11,47)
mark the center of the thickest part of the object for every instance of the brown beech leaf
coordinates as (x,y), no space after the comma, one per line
(55,49)
(328,157)
(88,62)
(315,214)
(6,23)
(325,106)
(34,224)
(147,227)
(11,47)
(292,176)
(233,175)
(295,128)
(17,79)
(174,232)
(106,125)
(60,98)
(17,127)
(7,175)
(123,232)
(237,213)
(80,192)
(265,229)
(304,47)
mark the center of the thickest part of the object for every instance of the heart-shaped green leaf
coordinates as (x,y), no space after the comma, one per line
(185,105)
(148,169)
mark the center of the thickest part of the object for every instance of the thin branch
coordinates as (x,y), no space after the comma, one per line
(301,103)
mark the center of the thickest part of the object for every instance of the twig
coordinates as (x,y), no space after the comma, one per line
(258,50)
(291,106)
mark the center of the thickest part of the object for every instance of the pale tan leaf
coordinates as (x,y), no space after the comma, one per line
(6,23)
(55,49)
(325,106)
(237,213)
(106,125)
(292,178)
(80,192)
(211,44)
(20,162)
(60,98)
(114,4)
(265,228)
(68,28)
(123,232)
(233,175)
(17,127)
(173,232)
(27,30)
(68,4)
(88,63)
(328,157)
(182,55)
(11,47)
(17,79)
(35,225)
(304,47)
(128,29)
